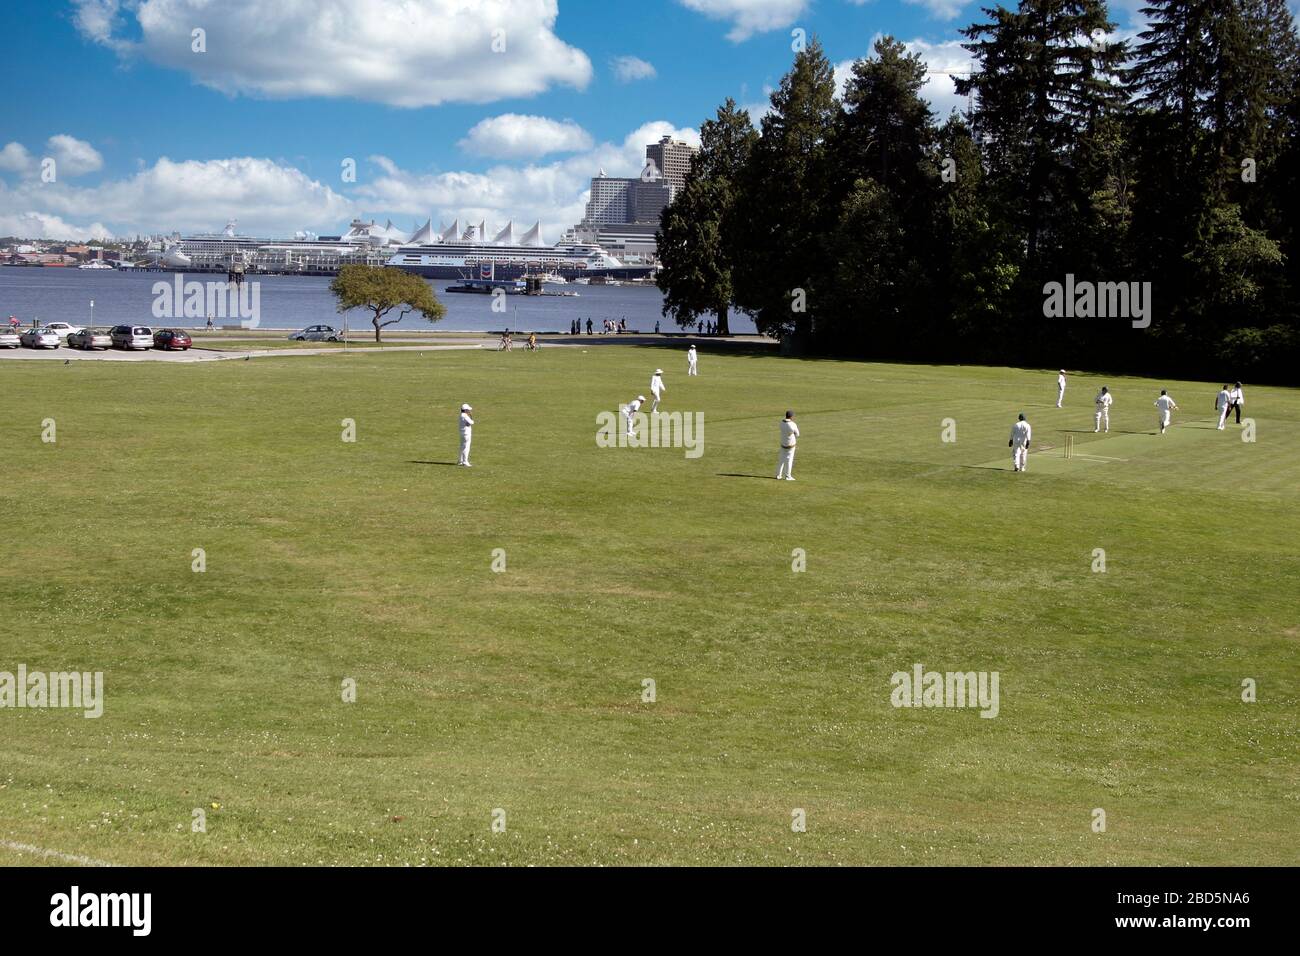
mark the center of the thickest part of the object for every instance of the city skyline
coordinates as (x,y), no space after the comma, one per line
(431,122)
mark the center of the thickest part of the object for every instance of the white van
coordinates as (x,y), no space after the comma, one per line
(132,337)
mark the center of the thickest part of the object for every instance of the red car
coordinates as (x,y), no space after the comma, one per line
(172,339)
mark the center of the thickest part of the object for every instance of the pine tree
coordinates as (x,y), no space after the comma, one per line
(696,237)
(783,206)
(1039,89)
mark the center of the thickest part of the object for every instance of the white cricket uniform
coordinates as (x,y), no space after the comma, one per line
(633,407)
(1020,435)
(1103,411)
(1237,399)
(466,435)
(691,360)
(1060,389)
(1221,403)
(789,438)
(1165,404)
(656,388)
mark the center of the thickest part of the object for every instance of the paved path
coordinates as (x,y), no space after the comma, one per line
(205,355)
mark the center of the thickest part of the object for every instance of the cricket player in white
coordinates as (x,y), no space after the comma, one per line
(1166,405)
(657,388)
(1221,404)
(1019,443)
(466,434)
(1060,387)
(1235,400)
(1103,410)
(633,407)
(691,359)
(789,438)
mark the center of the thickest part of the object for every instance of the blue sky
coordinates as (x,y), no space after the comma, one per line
(149,134)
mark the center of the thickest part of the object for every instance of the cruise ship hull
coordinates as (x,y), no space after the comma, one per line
(508,272)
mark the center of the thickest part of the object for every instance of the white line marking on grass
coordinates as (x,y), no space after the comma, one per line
(1098,457)
(39,851)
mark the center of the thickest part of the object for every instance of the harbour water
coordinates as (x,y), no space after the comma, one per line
(292,302)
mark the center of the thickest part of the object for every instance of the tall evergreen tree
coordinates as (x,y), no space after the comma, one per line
(784,221)
(697,232)
(1039,88)
(883,188)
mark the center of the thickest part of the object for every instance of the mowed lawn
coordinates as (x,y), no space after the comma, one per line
(522,690)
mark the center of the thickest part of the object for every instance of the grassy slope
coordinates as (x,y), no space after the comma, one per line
(521,690)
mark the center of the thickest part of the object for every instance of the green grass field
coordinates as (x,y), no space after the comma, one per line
(522,690)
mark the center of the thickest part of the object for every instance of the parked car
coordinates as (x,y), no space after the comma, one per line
(90,339)
(9,338)
(40,339)
(62,329)
(315,333)
(172,339)
(132,337)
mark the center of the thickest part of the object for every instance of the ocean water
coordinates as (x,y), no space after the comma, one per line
(291,302)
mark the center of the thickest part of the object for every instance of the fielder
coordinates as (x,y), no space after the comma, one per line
(1236,399)
(466,434)
(657,388)
(1103,410)
(789,438)
(633,407)
(1166,405)
(691,359)
(1060,387)
(1019,443)
(1221,405)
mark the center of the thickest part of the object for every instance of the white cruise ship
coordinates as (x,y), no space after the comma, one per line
(453,254)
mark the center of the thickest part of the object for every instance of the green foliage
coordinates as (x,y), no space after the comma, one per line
(697,233)
(380,289)
(1176,162)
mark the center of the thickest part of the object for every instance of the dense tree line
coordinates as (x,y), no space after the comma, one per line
(865,225)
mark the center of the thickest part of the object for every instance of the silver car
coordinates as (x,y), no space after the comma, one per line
(132,337)
(9,339)
(40,339)
(90,339)
(315,333)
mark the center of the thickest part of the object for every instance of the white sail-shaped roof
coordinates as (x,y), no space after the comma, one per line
(506,237)
(533,237)
(452,232)
(423,235)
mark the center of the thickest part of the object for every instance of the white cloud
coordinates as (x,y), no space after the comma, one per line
(512,136)
(36,225)
(266,197)
(273,200)
(401,52)
(943,60)
(941,9)
(15,158)
(554,193)
(749,16)
(97,19)
(629,68)
(74,157)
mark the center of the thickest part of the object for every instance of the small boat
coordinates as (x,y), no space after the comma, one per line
(96,264)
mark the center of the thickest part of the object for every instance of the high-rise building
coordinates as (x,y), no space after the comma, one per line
(672,158)
(648,200)
(623,213)
(610,199)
